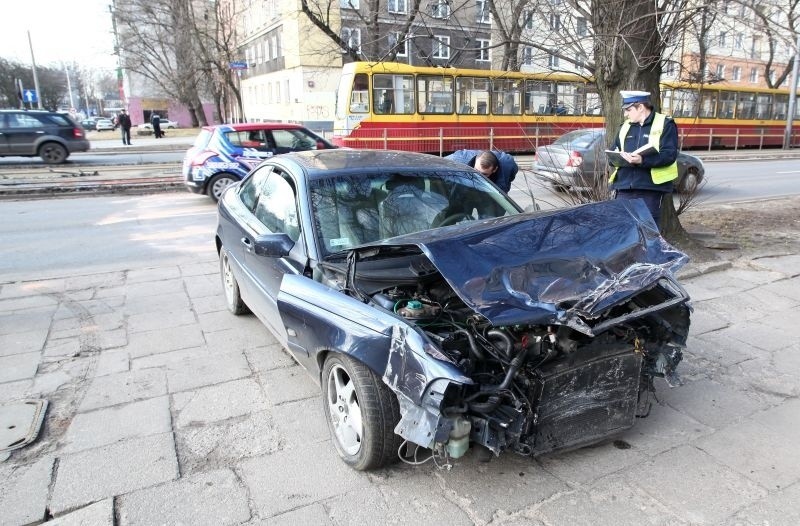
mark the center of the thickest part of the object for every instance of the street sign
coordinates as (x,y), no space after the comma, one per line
(238,65)
(29,95)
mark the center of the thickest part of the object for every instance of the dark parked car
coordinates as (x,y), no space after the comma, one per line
(222,155)
(435,313)
(577,157)
(50,135)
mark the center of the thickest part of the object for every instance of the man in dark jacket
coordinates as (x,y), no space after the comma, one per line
(155,121)
(649,144)
(499,167)
(124,123)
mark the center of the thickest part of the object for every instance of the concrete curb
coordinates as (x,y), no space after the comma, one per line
(701,269)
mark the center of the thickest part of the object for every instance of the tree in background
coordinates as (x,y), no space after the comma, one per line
(157,41)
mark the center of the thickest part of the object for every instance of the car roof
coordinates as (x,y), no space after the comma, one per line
(322,163)
(247,126)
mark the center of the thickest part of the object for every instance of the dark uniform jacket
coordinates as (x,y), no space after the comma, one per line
(638,177)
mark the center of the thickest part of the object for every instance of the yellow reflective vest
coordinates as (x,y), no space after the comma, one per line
(659,174)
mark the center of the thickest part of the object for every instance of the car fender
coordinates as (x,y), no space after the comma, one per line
(321,319)
(50,138)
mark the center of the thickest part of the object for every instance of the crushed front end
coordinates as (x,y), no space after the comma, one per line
(560,324)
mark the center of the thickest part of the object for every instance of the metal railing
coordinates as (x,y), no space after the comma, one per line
(527,138)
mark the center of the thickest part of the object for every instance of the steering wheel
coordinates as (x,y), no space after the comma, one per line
(452,219)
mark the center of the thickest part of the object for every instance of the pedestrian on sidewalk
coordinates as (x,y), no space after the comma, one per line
(124,122)
(155,120)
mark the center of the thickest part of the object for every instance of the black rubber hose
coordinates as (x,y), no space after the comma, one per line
(473,347)
(502,335)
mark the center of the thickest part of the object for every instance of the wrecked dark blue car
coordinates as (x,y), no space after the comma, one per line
(438,316)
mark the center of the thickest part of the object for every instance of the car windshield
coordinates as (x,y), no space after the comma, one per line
(350,210)
(579,138)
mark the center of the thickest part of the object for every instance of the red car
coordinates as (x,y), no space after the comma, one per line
(222,155)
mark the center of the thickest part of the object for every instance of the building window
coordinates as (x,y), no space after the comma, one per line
(772,76)
(737,73)
(528,24)
(580,61)
(720,71)
(755,49)
(527,56)
(483,50)
(484,13)
(553,59)
(348,4)
(582,27)
(401,46)
(440,9)
(276,46)
(722,38)
(352,37)
(555,22)
(738,41)
(441,47)
(398,6)
(754,75)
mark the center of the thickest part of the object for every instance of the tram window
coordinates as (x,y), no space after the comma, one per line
(472,95)
(708,103)
(434,94)
(727,104)
(684,103)
(567,100)
(763,106)
(359,97)
(506,95)
(592,104)
(393,94)
(746,106)
(538,96)
(780,108)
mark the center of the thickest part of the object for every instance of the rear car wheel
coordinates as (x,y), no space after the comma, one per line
(53,153)
(218,184)
(361,412)
(233,298)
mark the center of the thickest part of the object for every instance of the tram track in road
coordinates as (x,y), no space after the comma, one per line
(63,180)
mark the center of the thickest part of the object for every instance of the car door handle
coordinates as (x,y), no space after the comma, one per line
(247,243)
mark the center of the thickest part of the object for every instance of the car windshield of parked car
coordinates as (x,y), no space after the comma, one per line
(578,138)
(350,210)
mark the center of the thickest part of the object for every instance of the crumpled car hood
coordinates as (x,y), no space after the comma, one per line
(553,267)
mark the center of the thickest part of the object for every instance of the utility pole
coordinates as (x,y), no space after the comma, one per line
(35,77)
(117,52)
(787,136)
(69,89)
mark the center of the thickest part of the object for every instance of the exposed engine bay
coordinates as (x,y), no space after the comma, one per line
(539,388)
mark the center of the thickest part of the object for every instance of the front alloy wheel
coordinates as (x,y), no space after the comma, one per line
(361,412)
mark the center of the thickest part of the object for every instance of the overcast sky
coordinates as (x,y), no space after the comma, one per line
(61,31)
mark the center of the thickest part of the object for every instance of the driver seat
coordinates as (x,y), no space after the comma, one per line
(408,207)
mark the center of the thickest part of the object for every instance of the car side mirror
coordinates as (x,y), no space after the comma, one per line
(273,245)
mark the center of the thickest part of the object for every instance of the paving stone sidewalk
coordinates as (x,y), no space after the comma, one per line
(166,409)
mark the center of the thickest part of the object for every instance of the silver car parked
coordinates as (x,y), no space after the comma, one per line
(576,159)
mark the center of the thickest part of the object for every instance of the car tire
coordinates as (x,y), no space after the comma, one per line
(689,182)
(53,153)
(233,297)
(217,184)
(362,413)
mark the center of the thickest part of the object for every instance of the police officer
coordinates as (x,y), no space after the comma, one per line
(648,175)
